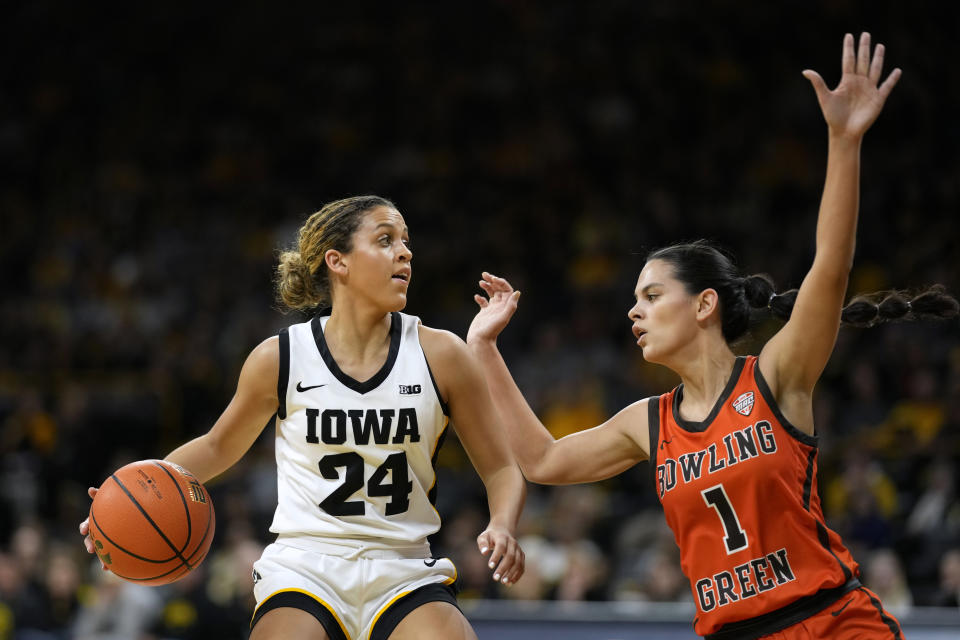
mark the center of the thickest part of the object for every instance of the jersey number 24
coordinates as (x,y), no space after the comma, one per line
(398,488)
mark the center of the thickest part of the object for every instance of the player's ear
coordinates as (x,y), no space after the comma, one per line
(335,262)
(708,301)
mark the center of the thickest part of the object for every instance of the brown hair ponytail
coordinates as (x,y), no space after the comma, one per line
(302,280)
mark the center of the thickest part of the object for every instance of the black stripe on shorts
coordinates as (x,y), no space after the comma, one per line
(298,600)
(396,612)
(887,620)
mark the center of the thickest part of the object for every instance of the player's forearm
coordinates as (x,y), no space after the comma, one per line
(202,457)
(529,439)
(839,206)
(506,492)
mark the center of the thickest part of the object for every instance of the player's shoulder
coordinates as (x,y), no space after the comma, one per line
(265,356)
(446,352)
(439,338)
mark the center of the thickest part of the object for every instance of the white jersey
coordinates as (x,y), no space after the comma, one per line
(355,460)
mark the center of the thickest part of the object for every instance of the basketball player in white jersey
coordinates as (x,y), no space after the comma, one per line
(363,397)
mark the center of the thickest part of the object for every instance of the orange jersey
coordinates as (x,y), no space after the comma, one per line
(739,491)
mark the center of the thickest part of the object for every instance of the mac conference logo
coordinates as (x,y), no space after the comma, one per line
(744,403)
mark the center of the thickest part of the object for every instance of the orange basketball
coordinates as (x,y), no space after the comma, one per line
(152,522)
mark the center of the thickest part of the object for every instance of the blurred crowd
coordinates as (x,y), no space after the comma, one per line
(153,163)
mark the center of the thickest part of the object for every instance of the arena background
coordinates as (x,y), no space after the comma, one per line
(153,160)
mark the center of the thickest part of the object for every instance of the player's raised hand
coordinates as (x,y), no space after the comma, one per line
(852,107)
(506,558)
(495,310)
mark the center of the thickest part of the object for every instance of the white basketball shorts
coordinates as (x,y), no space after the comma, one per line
(358,598)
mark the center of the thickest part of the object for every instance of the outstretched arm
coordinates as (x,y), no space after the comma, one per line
(236,430)
(242,421)
(478,427)
(585,456)
(794,358)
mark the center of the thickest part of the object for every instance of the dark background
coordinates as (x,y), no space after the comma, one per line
(154,160)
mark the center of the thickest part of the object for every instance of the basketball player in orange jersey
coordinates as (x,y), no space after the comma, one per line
(363,395)
(733,447)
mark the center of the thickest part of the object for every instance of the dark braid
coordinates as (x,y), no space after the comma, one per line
(700,265)
(762,293)
(867,310)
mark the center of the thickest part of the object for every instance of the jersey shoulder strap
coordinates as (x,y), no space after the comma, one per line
(653,427)
(283,379)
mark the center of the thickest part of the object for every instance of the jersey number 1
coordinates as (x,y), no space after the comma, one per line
(734,537)
(398,488)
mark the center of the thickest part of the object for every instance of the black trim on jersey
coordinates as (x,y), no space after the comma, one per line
(783,617)
(297,600)
(810,441)
(443,405)
(808,481)
(284,378)
(432,494)
(396,325)
(887,620)
(699,427)
(397,611)
(824,537)
(653,428)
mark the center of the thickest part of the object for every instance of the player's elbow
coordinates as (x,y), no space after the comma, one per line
(541,471)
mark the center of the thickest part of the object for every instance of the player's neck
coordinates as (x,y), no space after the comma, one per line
(357,333)
(704,377)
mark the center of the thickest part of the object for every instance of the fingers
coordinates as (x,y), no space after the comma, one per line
(85,525)
(500,284)
(889,83)
(513,571)
(85,532)
(818,84)
(876,65)
(863,55)
(480,300)
(501,560)
(848,61)
(506,559)
(495,286)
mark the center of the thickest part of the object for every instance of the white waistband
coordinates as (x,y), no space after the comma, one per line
(351,549)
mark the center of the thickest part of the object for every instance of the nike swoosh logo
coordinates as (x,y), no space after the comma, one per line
(302,388)
(840,610)
(430,562)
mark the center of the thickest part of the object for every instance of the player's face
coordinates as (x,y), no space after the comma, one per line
(379,263)
(664,316)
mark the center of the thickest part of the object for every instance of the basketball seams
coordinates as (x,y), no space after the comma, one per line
(150,520)
(158,577)
(186,507)
(200,544)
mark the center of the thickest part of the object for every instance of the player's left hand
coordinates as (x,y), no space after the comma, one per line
(506,558)
(495,310)
(852,107)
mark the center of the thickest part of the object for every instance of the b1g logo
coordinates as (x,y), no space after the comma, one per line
(744,403)
(409,389)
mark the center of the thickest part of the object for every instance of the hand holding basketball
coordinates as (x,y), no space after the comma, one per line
(151,522)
